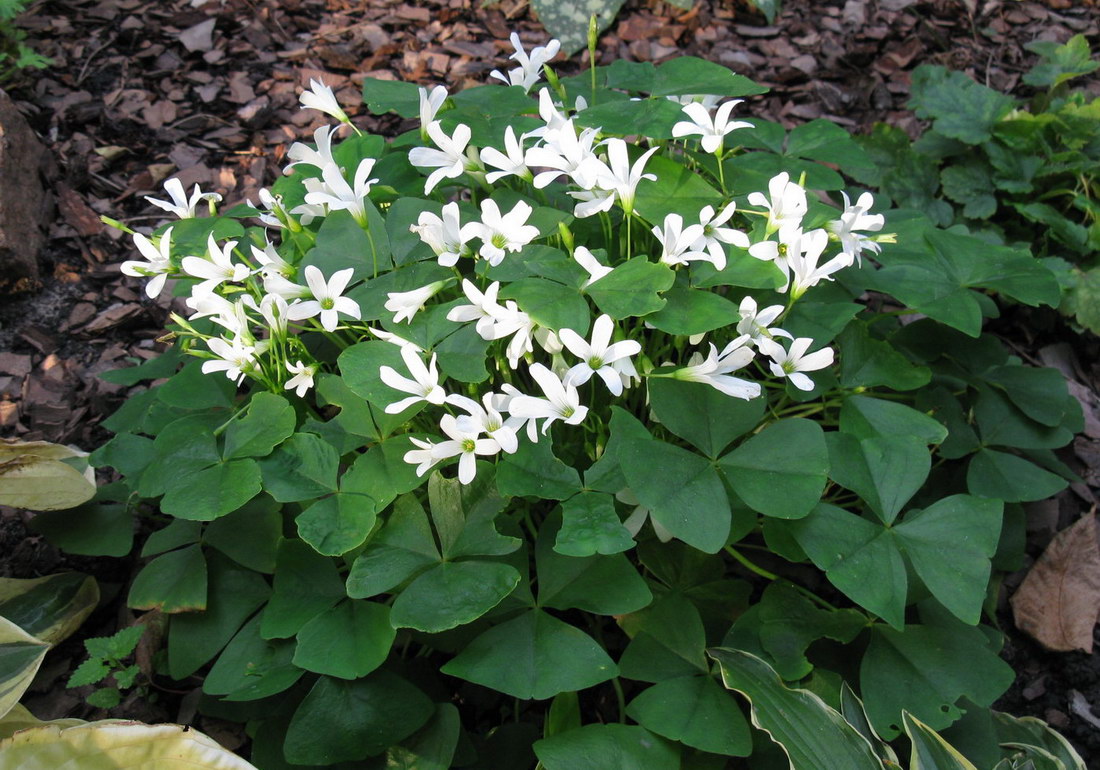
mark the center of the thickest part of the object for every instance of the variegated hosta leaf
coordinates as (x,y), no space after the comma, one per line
(930,751)
(567,20)
(111,745)
(19,718)
(36,476)
(20,656)
(49,608)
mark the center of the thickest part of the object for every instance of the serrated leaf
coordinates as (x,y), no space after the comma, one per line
(961,108)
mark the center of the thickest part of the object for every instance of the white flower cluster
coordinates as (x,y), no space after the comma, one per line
(260,300)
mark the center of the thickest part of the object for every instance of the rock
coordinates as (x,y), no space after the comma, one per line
(23,202)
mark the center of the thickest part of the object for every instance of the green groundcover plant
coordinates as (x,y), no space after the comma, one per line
(534,432)
(1014,172)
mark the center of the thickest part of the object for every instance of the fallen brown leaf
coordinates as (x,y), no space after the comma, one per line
(1059,600)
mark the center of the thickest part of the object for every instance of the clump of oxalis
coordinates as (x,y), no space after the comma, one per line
(580,422)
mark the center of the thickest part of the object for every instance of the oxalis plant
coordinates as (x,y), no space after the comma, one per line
(588,423)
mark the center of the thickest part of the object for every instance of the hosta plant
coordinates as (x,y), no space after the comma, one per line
(473,442)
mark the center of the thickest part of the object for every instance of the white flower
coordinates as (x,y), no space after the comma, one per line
(530,68)
(465,443)
(449,161)
(791,363)
(566,153)
(786,207)
(338,195)
(598,356)
(406,304)
(592,266)
(445,236)
(803,255)
(274,310)
(274,283)
(710,101)
(320,97)
(157,264)
(511,162)
(499,233)
(216,270)
(561,402)
(393,339)
(619,176)
(234,358)
(712,130)
(522,341)
(272,263)
(327,301)
(856,218)
(677,241)
(755,322)
(637,518)
(424,457)
(424,386)
(714,370)
(302,379)
(310,211)
(493,320)
(182,206)
(303,153)
(487,419)
(430,102)
(714,235)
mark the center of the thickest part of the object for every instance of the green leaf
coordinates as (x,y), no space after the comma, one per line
(1035,391)
(359,367)
(751,171)
(692,75)
(603,585)
(970,184)
(92,529)
(1036,732)
(868,362)
(382,473)
(462,355)
(811,734)
(550,303)
(609,747)
(534,471)
(925,670)
(867,417)
(302,467)
(305,585)
(687,498)
(174,582)
(950,544)
(930,751)
(347,641)
(196,637)
(430,748)
(402,548)
(1059,63)
(533,656)
(391,96)
(590,525)
(1010,478)
(161,366)
(859,557)
(189,388)
(698,413)
(678,190)
(783,625)
(263,522)
(824,140)
(337,524)
(251,667)
(669,642)
(49,608)
(182,447)
(341,721)
(268,421)
(781,471)
(632,288)
(453,594)
(179,532)
(91,671)
(464,516)
(213,492)
(961,108)
(692,311)
(653,118)
(885,471)
(696,711)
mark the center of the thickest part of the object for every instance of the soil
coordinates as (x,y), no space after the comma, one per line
(140,91)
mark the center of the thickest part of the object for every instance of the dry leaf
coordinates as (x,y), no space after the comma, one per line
(1059,600)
